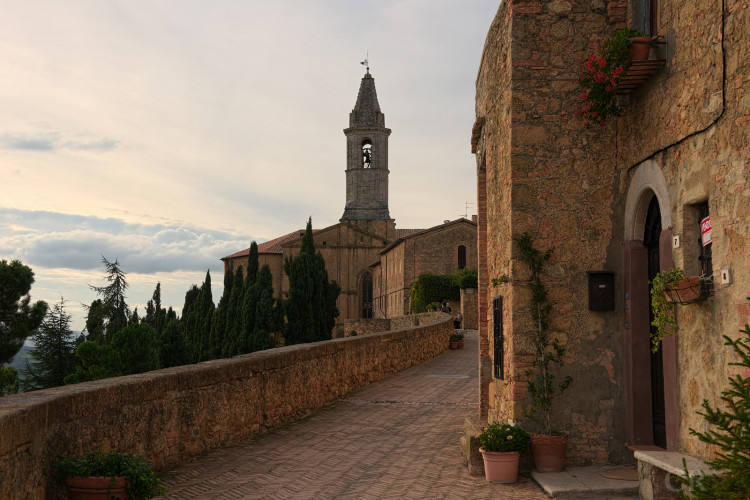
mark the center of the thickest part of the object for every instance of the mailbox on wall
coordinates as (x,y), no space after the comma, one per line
(601,291)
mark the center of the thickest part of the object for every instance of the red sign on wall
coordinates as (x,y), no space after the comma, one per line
(706,231)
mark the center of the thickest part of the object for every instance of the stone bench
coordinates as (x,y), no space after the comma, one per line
(655,469)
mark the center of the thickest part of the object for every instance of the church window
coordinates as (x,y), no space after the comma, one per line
(461,256)
(366,296)
(366,153)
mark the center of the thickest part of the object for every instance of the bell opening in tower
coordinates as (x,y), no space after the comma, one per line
(366,153)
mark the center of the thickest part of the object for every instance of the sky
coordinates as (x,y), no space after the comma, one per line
(168,134)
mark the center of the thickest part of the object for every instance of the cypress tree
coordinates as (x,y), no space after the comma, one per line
(137,349)
(268,313)
(310,308)
(229,346)
(197,322)
(172,348)
(219,326)
(246,310)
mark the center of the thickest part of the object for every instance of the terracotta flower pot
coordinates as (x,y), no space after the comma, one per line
(95,488)
(549,452)
(500,466)
(460,344)
(686,290)
(640,49)
(453,345)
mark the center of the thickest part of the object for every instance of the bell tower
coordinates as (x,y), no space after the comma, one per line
(366,157)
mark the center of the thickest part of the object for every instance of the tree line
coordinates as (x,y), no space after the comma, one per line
(117,341)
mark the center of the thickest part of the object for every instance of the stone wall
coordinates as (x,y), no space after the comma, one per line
(170,415)
(469,308)
(584,191)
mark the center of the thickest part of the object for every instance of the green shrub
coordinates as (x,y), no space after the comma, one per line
(142,482)
(505,437)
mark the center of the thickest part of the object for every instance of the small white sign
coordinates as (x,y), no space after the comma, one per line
(706,231)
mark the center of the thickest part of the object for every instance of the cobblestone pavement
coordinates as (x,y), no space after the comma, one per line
(397,438)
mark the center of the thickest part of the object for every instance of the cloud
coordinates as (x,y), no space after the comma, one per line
(54,240)
(41,137)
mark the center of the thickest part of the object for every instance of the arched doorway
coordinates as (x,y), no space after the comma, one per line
(652,409)
(651,236)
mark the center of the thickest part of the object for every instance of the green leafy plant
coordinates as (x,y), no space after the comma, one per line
(456,337)
(141,480)
(600,75)
(548,352)
(504,438)
(663,309)
(730,434)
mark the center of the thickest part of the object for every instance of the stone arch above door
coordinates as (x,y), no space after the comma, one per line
(647,180)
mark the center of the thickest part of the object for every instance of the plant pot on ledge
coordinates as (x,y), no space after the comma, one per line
(640,46)
(688,290)
(549,451)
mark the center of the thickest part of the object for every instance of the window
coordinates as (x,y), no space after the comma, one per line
(646,16)
(704,240)
(497,337)
(366,297)
(461,256)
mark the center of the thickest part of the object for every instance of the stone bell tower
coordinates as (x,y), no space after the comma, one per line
(366,157)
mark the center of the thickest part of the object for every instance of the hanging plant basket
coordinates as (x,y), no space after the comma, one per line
(689,290)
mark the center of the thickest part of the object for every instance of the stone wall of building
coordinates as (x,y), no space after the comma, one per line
(545,177)
(469,309)
(170,415)
(583,192)
(690,123)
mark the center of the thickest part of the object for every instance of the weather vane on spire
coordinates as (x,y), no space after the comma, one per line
(366,62)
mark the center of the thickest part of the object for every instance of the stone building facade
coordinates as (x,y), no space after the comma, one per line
(439,250)
(352,247)
(626,199)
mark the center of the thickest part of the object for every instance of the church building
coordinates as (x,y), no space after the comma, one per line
(366,233)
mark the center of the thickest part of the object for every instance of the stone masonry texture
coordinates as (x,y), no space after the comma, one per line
(170,415)
(583,192)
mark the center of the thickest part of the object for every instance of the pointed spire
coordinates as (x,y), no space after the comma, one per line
(366,112)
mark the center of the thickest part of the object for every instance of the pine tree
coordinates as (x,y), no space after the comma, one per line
(310,306)
(19,318)
(729,432)
(114,310)
(53,352)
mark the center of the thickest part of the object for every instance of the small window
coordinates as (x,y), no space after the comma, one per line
(461,256)
(705,240)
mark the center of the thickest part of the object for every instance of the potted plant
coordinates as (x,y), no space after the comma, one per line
(456,341)
(109,475)
(501,446)
(671,287)
(548,446)
(602,72)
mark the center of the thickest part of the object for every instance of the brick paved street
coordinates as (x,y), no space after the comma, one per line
(397,438)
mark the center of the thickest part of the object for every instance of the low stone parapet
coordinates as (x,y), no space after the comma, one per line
(170,415)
